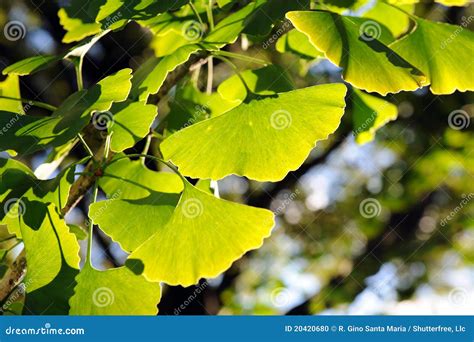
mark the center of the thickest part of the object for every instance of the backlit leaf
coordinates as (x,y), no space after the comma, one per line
(438,50)
(30,65)
(369,114)
(131,122)
(203,237)
(149,78)
(359,46)
(27,134)
(115,291)
(263,139)
(130,179)
(10,87)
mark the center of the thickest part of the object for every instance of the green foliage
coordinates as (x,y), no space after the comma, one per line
(256,122)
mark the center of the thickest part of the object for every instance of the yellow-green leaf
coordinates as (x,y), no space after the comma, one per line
(369,113)
(116,291)
(263,139)
(10,87)
(439,50)
(131,122)
(130,179)
(359,46)
(203,237)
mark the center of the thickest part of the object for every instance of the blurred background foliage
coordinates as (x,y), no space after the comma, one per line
(324,255)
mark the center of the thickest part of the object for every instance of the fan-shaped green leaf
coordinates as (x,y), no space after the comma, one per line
(154,212)
(131,122)
(114,292)
(392,18)
(298,43)
(438,50)
(10,87)
(202,238)
(268,80)
(270,14)
(369,114)
(228,29)
(48,243)
(190,105)
(359,46)
(149,78)
(263,139)
(30,65)
(27,134)
(130,179)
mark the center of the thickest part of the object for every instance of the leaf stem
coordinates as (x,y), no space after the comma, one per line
(91,227)
(171,166)
(78,66)
(210,16)
(237,72)
(38,104)
(88,149)
(239,56)
(210,74)
(146,148)
(196,13)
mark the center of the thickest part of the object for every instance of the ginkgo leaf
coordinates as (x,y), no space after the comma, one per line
(438,50)
(203,237)
(53,298)
(30,65)
(82,20)
(263,139)
(359,46)
(298,43)
(113,292)
(154,211)
(131,122)
(149,78)
(171,32)
(34,64)
(369,113)
(18,183)
(228,29)
(27,134)
(190,105)
(268,80)
(269,15)
(391,17)
(10,87)
(130,179)
(47,241)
